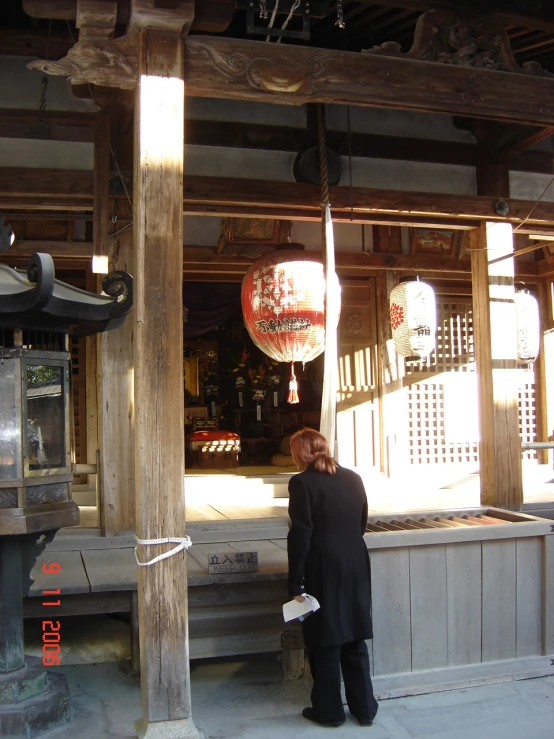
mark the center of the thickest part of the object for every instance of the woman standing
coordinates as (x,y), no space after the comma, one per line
(328,559)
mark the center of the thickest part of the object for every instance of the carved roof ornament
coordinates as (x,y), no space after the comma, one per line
(461,39)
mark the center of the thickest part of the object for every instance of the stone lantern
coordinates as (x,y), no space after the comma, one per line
(37,315)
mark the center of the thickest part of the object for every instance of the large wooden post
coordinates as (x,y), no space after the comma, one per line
(496,359)
(159,393)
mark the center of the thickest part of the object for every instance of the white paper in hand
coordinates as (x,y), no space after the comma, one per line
(294,609)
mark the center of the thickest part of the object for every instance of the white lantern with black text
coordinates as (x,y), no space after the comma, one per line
(413,317)
(527,326)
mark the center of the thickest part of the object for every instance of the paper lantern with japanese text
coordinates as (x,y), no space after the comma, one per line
(413,317)
(283,303)
(527,326)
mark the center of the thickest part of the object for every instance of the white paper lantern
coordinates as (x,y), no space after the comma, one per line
(413,317)
(527,326)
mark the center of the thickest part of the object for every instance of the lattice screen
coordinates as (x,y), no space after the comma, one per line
(454,352)
(528,412)
(442,406)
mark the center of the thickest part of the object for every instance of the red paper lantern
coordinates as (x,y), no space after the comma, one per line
(283,302)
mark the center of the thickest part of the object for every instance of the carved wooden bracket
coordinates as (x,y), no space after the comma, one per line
(106,62)
(97,58)
(462,39)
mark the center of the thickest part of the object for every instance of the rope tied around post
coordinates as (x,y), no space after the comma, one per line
(183,542)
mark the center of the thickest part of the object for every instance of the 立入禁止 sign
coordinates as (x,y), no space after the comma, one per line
(231,562)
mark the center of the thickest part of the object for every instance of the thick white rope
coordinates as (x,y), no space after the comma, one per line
(183,542)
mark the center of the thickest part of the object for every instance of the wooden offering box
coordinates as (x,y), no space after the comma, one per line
(211,449)
(460,598)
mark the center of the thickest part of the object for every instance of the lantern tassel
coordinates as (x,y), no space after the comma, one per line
(293,386)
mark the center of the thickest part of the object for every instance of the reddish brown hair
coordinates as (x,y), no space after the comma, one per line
(308,447)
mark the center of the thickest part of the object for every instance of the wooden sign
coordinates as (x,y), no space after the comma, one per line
(230,562)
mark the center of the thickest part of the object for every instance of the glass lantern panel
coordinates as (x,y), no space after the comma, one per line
(10,421)
(45,417)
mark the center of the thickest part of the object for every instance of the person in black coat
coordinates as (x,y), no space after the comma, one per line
(328,559)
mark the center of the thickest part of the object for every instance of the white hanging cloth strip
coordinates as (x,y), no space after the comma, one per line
(327,425)
(183,542)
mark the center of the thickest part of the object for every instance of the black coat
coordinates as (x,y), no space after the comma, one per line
(327,555)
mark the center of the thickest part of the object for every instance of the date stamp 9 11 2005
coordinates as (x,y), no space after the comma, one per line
(51,629)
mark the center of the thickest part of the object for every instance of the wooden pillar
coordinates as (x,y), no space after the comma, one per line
(100,230)
(115,356)
(117,422)
(159,392)
(392,396)
(542,396)
(496,359)
(91,396)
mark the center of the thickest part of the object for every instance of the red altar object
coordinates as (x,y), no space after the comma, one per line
(212,449)
(283,303)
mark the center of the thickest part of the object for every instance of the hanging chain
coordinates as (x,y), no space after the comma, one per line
(340,15)
(44,81)
(42,104)
(263,9)
(350,162)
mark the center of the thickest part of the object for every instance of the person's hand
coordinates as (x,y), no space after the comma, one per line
(299,598)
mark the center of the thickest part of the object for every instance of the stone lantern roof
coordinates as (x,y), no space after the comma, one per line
(34,299)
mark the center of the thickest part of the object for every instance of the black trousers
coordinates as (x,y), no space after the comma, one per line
(326,664)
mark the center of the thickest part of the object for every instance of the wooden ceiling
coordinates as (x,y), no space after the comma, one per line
(370,24)
(530,25)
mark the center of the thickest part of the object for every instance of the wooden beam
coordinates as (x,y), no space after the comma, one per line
(34,43)
(279,138)
(518,138)
(203,261)
(66,249)
(496,362)
(45,189)
(211,16)
(250,70)
(159,386)
(71,190)
(51,126)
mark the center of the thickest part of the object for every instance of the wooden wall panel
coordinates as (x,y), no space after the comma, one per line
(390,585)
(463,566)
(548,596)
(428,607)
(499,600)
(529,577)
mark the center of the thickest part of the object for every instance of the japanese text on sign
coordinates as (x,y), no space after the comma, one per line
(230,562)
